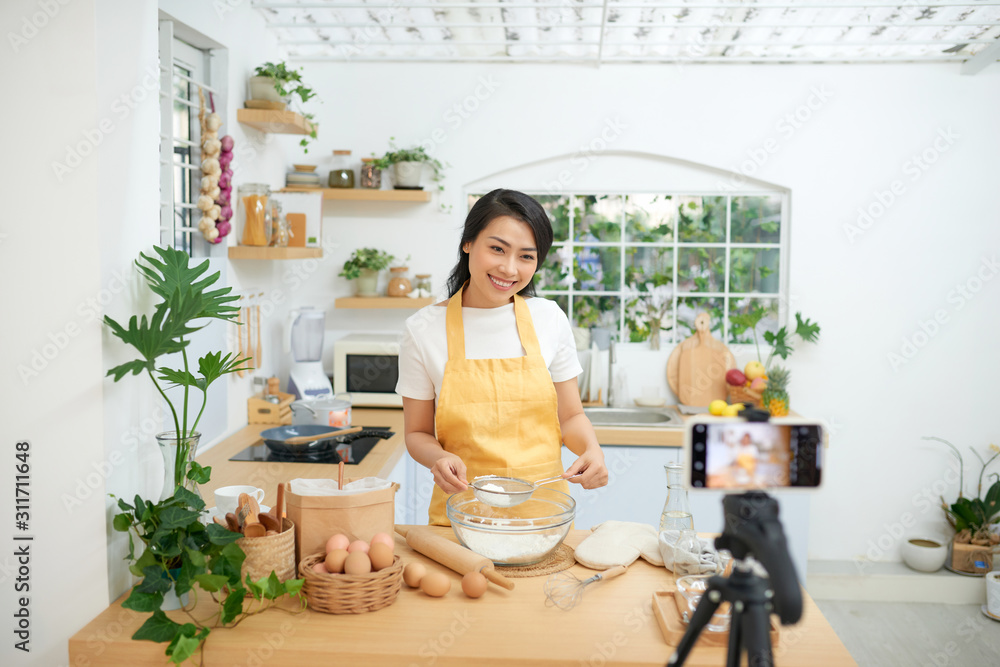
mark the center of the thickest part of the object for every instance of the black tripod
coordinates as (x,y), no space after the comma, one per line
(752,528)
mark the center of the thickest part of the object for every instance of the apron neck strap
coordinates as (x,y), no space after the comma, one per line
(456,329)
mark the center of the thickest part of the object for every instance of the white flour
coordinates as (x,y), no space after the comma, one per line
(498,498)
(511,548)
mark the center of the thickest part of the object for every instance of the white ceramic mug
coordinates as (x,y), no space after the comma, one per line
(227,499)
(993,592)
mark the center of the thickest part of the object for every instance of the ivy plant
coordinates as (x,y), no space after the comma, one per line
(288,84)
(365,258)
(183,554)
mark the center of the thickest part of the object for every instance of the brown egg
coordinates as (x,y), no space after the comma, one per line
(335,561)
(383,538)
(413,573)
(358,545)
(380,556)
(435,584)
(357,563)
(474,584)
(320,568)
(338,541)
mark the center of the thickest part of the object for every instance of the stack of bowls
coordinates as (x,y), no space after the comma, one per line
(303,176)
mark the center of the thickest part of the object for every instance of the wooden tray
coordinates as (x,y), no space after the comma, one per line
(673,628)
(260,411)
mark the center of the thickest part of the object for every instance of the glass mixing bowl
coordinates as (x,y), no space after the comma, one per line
(520,535)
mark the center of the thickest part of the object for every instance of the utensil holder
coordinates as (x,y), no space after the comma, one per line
(350,593)
(271,552)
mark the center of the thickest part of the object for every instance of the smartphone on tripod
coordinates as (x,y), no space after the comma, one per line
(738,455)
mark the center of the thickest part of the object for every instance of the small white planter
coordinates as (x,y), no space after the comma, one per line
(407,174)
(262,88)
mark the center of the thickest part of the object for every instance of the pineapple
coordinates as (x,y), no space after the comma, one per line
(775,396)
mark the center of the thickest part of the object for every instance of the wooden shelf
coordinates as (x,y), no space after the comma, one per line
(264,252)
(362,194)
(381,302)
(274,122)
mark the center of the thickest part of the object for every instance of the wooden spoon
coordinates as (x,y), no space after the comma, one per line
(269,522)
(303,439)
(232,522)
(279,507)
(249,509)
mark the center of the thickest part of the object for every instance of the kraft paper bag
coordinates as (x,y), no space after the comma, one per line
(357,515)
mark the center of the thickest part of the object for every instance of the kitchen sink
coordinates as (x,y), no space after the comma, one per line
(641,417)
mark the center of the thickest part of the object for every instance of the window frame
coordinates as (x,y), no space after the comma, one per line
(205,63)
(674,335)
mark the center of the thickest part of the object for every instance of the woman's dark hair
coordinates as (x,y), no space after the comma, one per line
(493,205)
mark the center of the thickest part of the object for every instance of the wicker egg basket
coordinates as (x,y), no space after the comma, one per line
(350,593)
(738,394)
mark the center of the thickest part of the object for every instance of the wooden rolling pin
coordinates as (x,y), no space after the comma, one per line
(450,554)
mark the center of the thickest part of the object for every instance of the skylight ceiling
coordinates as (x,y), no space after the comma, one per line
(615,31)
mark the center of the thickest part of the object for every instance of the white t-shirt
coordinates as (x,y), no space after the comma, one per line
(490,333)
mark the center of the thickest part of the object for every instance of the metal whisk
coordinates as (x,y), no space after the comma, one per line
(564,589)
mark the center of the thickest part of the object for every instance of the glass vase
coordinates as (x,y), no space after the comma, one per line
(178,454)
(677,509)
(654,335)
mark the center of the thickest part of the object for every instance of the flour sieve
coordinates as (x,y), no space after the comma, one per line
(508,491)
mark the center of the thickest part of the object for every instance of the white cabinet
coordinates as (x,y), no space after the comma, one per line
(415,486)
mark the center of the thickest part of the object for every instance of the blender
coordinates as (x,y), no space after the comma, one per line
(306,378)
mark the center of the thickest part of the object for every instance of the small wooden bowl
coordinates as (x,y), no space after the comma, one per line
(350,593)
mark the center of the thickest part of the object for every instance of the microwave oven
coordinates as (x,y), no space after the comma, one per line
(366,366)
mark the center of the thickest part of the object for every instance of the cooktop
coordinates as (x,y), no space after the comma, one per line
(351,448)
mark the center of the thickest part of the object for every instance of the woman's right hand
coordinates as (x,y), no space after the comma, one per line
(449,473)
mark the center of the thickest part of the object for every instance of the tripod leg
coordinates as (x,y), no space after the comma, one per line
(757,636)
(702,614)
(735,638)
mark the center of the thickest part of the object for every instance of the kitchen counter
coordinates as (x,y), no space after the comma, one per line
(612,624)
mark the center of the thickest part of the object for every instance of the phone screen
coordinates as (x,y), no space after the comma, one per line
(755,455)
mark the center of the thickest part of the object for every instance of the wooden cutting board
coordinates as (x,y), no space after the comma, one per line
(696,369)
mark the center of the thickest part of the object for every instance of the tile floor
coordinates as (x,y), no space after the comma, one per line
(908,634)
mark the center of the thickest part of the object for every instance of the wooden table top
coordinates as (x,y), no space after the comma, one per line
(613,624)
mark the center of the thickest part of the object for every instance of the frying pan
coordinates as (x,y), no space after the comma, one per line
(275,438)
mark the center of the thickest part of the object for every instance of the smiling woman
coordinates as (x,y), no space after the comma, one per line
(488,378)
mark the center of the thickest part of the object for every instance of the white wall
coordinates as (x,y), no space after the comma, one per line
(50,266)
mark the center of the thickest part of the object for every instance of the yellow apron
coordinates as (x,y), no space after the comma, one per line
(500,416)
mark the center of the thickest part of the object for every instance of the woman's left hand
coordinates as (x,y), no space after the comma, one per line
(591,464)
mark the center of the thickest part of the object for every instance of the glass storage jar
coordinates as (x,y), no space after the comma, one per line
(371,176)
(254,214)
(399,281)
(341,174)
(280,227)
(422,286)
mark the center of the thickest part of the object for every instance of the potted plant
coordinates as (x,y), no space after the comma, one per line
(181,551)
(185,301)
(763,383)
(274,86)
(408,165)
(363,266)
(972,518)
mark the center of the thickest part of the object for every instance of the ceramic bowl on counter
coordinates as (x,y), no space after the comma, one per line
(924,553)
(521,535)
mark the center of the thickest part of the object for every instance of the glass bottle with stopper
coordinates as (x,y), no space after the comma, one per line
(677,509)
